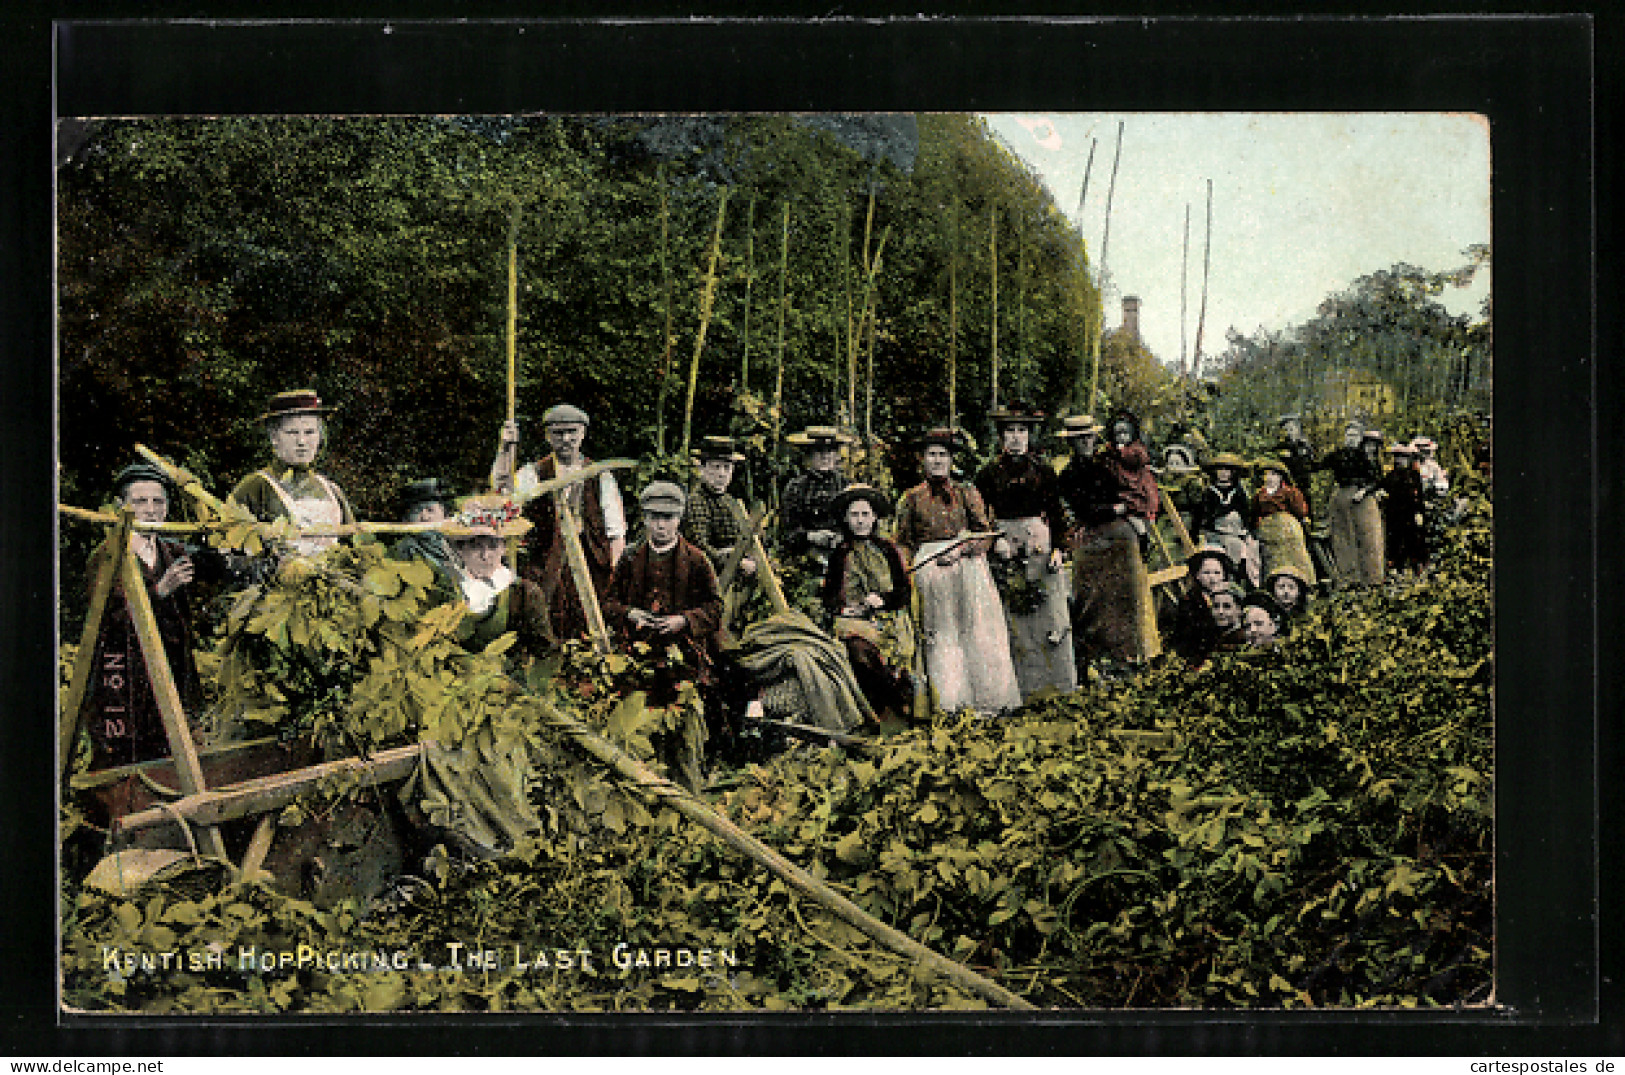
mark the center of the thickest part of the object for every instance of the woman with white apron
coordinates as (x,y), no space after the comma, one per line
(291,488)
(962,628)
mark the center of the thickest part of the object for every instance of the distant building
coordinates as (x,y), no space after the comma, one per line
(1356,392)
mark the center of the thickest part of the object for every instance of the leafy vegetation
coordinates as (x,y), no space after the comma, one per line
(1303,826)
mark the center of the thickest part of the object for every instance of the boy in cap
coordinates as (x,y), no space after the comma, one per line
(291,487)
(595,502)
(711,518)
(664,596)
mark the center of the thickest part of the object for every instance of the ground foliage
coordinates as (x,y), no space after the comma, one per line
(1305,826)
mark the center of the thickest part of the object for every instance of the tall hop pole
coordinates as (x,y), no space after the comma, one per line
(993,257)
(1105,238)
(707,300)
(1207,251)
(778,376)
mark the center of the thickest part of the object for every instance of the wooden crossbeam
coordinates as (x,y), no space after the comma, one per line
(264,794)
(1169,574)
(188,770)
(116,546)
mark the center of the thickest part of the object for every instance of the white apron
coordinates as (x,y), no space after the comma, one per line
(963,634)
(310,511)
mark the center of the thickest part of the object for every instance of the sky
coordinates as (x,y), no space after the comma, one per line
(1303,205)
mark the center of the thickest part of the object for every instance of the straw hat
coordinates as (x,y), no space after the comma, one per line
(1402,449)
(817,437)
(1017,414)
(1271,463)
(1227,459)
(1178,459)
(486,515)
(1080,424)
(298,401)
(945,437)
(1423,444)
(844,499)
(718,448)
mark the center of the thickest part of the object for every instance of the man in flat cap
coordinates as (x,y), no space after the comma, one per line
(596,502)
(664,595)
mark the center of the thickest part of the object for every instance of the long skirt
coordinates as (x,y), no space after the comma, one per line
(963,635)
(1041,638)
(1357,539)
(883,653)
(1112,611)
(1281,542)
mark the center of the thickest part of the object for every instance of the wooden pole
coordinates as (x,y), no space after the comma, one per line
(188,770)
(854,333)
(114,547)
(707,299)
(871,271)
(512,336)
(1083,195)
(666,337)
(764,566)
(1184,261)
(665,792)
(258,847)
(1174,517)
(784,305)
(953,317)
(185,479)
(1086,350)
(993,260)
(730,567)
(576,556)
(750,277)
(1201,318)
(1105,240)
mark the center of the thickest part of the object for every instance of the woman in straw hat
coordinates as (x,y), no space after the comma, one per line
(805,522)
(1291,586)
(867,594)
(1113,615)
(497,601)
(1353,515)
(966,642)
(1279,513)
(1224,514)
(1022,493)
(291,487)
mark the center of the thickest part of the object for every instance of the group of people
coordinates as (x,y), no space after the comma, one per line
(965,600)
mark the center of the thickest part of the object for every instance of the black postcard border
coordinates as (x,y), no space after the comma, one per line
(1532,76)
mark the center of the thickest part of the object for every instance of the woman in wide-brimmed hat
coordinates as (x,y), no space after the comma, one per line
(1279,513)
(805,524)
(1353,516)
(1224,515)
(1022,492)
(867,594)
(1291,586)
(966,640)
(1113,616)
(497,601)
(291,487)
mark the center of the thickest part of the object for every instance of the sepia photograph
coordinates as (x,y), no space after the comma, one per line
(751,562)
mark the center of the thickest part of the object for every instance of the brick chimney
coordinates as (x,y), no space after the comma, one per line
(1131,315)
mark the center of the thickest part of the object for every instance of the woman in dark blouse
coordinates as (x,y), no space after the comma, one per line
(1355,521)
(867,594)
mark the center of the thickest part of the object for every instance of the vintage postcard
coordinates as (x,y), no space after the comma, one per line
(758,562)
